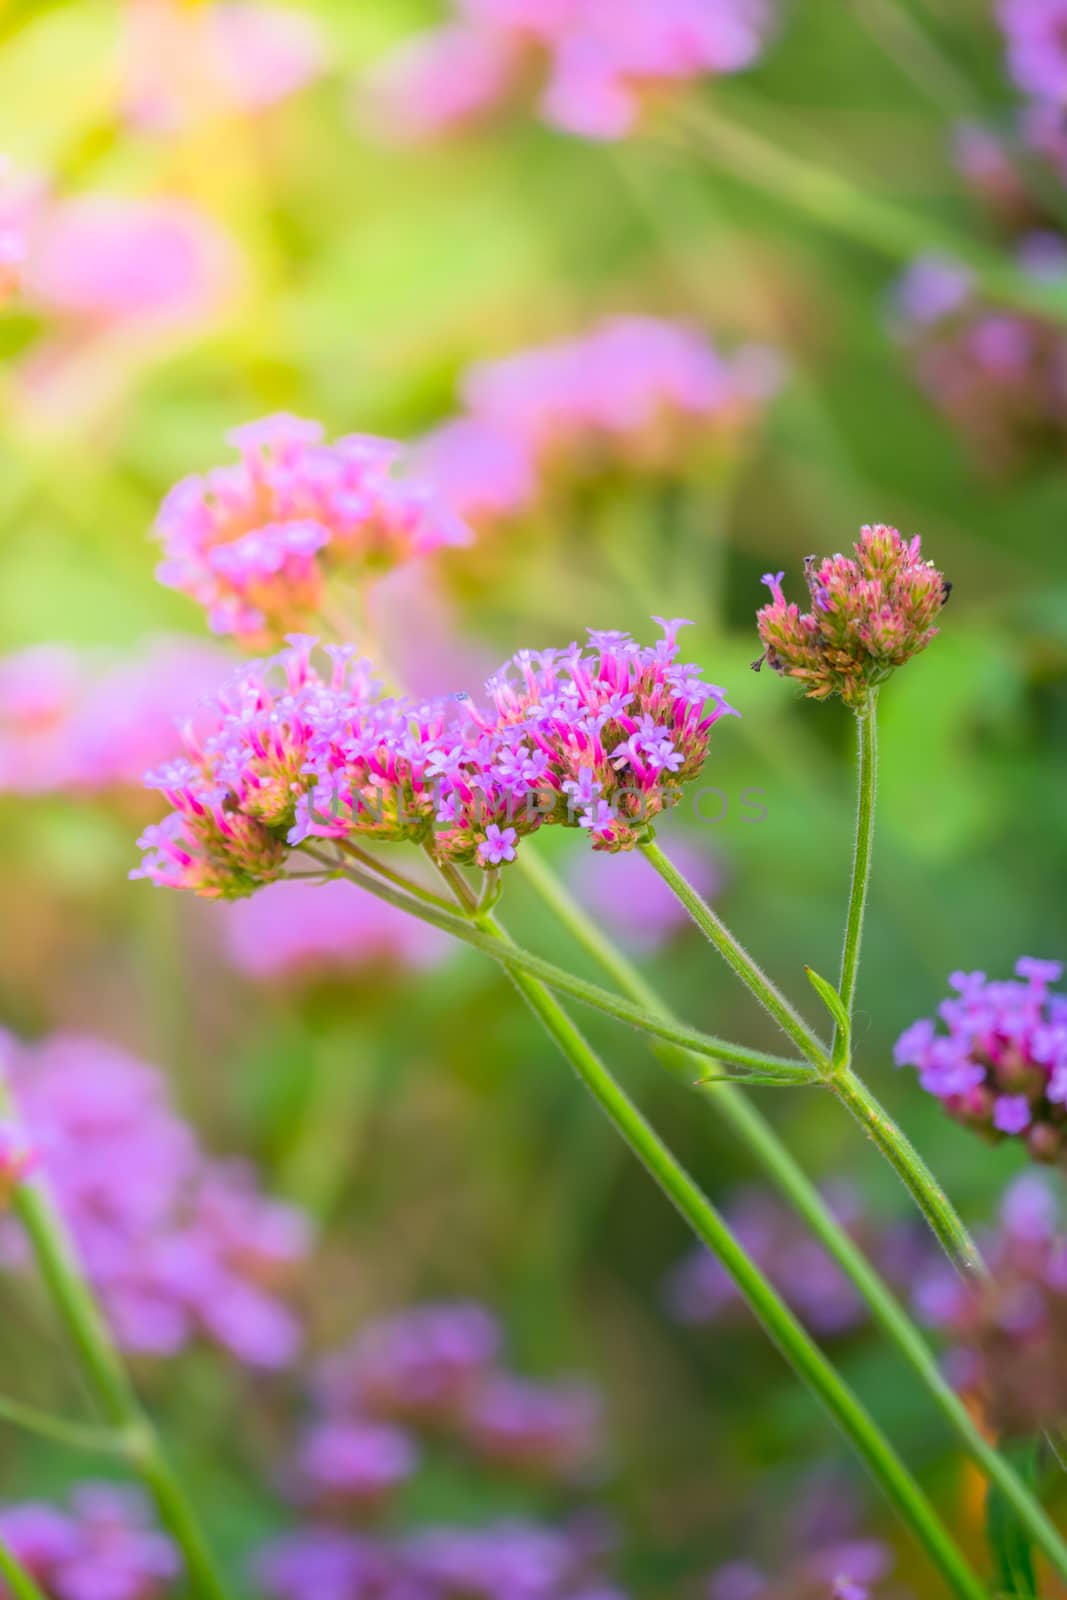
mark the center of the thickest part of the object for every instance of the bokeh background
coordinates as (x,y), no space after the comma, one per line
(400,1096)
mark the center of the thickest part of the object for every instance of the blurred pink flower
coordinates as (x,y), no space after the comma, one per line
(483,472)
(21,195)
(72,720)
(634,904)
(596,61)
(294,930)
(182,62)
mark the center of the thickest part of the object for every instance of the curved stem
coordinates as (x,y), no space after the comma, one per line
(514,957)
(867,728)
(784,1329)
(77,1308)
(747,1122)
(735,955)
(21,1584)
(78,1435)
(924,1188)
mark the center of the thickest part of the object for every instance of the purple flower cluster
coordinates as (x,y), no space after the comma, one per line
(103,1548)
(852,1571)
(500,1561)
(598,61)
(1035,33)
(1001,1065)
(177,1246)
(70,721)
(435,1370)
(255,542)
(304,932)
(870,613)
(998,376)
(601,738)
(1008,1337)
(642,391)
(700,1293)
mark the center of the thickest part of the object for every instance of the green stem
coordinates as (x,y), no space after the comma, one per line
(516,958)
(77,1435)
(909,1165)
(15,1576)
(867,727)
(756,1133)
(871,221)
(76,1307)
(784,1329)
(735,955)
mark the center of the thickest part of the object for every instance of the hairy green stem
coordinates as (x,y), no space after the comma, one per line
(77,1308)
(867,728)
(591,994)
(763,1142)
(736,956)
(785,1330)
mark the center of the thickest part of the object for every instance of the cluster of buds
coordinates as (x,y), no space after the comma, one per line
(104,1545)
(18,1157)
(598,61)
(644,393)
(256,541)
(427,1374)
(602,739)
(1001,1067)
(1008,1336)
(869,615)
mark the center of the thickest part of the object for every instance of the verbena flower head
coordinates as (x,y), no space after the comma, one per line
(1000,1063)
(598,61)
(1035,33)
(870,613)
(1008,1337)
(177,1246)
(256,541)
(353,1465)
(602,739)
(103,1548)
(850,1571)
(18,1157)
(539,1430)
(420,1366)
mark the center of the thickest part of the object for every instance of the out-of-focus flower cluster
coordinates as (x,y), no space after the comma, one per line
(424,1380)
(642,392)
(103,1548)
(1008,1337)
(870,613)
(254,542)
(74,722)
(178,1246)
(601,738)
(435,1370)
(12,231)
(301,931)
(596,63)
(1001,1065)
(1000,377)
(700,1293)
(181,63)
(637,907)
(850,1571)
(17,1159)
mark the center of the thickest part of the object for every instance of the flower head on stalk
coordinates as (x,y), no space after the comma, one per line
(291,752)
(256,541)
(1001,1065)
(103,1548)
(870,613)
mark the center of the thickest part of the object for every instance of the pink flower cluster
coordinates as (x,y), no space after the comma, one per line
(17,1160)
(597,61)
(301,931)
(103,1548)
(254,542)
(1001,1066)
(602,739)
(74,721)
(870,613)
(435,1368)
(1035,32)
(181,62)
(999,377)
(177,1245)
(14,212)
(1008,1337)
(645,391)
